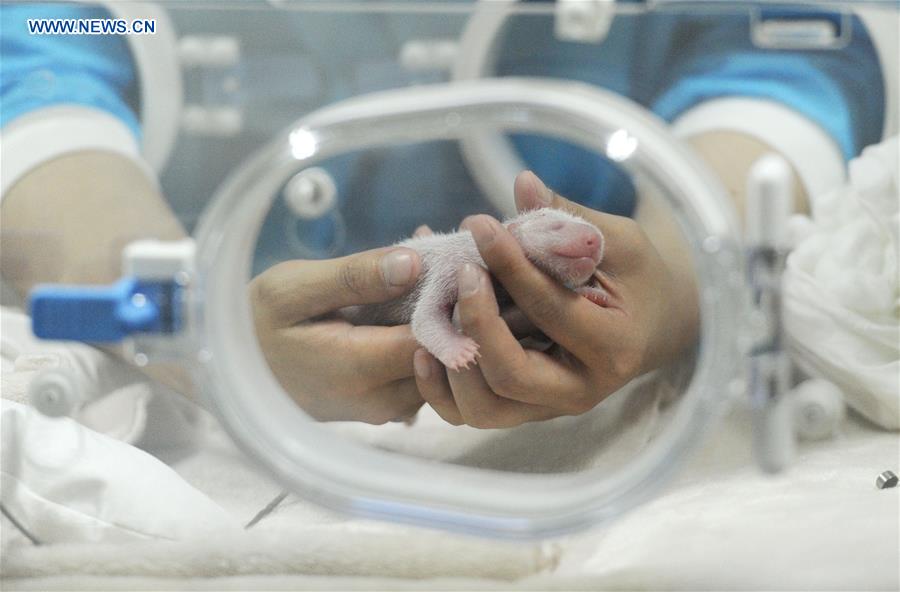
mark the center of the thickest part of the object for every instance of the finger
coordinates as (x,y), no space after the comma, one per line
(361,356)
(518,323)
(567,318)
(297,290)
(482,408)
(422,230)
(391,402)
(431,379)
(395,401)
(509,370)
(618,231)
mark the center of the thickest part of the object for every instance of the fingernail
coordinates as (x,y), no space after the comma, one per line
(541,191)
(469,279)
(397,268)
(421,364)
(483,229)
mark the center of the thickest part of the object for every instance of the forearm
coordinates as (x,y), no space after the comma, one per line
(730,156)
(67,221)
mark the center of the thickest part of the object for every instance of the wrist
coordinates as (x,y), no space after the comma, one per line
(74,232)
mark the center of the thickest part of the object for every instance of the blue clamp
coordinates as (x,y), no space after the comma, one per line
(105,314)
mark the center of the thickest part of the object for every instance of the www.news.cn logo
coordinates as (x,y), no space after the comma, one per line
(91,27)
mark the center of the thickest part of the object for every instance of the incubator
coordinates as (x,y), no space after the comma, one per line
(295,129)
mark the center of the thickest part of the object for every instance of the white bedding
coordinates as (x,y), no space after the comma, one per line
(720,525)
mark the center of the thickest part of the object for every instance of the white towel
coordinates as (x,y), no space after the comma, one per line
(298,537)
(842,297)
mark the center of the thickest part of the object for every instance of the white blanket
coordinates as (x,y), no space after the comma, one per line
(842,286)
(720,525)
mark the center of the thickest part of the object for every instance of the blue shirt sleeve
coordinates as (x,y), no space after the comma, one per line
(39,71)
(841,90)
(671,62)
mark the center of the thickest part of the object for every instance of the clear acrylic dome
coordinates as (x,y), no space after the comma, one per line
(312,459)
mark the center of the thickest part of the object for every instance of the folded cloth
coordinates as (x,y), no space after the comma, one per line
(115,394)
(842,301)
(297,537)
(720,525)
(64,482)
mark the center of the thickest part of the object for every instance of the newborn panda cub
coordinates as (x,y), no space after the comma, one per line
(562,245)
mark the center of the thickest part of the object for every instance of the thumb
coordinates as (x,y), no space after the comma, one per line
(294,291)
(619,232)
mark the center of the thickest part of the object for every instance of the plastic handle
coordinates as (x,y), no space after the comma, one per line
(769,202)
(96,314)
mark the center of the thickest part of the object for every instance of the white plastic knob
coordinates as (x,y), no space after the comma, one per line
(418,55)
(55,393)
(209,51)
(818,409)
(586,21)
(311,193)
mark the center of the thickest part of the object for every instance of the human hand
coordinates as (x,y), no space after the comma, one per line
(650,317)
(333,369)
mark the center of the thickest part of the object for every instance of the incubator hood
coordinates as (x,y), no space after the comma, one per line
(419,490)
(188,301)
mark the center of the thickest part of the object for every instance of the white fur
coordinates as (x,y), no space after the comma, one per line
(429,306)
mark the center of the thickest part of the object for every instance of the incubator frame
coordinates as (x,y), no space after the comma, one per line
(313,460)
(484,27)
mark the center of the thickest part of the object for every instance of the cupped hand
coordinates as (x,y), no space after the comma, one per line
(650,317)
(333,369)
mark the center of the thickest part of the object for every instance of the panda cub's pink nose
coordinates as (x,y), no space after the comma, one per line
(580,241)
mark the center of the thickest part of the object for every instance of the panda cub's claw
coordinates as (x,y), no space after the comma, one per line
(459,354)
